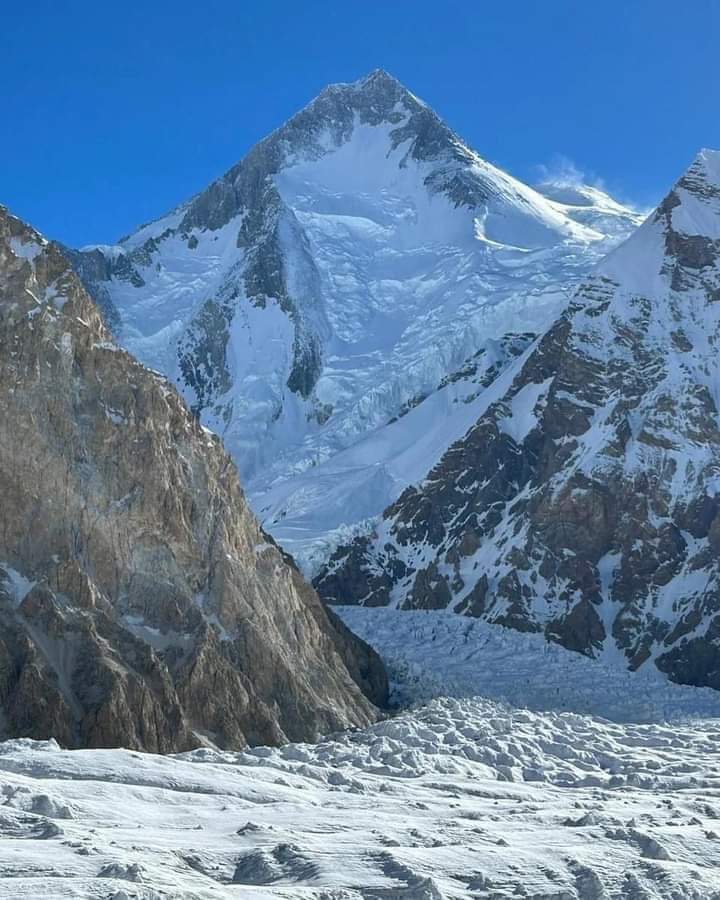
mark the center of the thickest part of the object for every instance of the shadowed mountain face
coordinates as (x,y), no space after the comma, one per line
(141,604)
(584,500)
(336,303)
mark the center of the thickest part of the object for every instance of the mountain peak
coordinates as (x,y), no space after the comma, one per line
(380,77)
(708,161)
(702,177)
(318,129)
(376,94)
(378,80)
(680,240)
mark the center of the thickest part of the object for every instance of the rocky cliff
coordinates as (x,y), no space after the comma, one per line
(141,604)
(584,501)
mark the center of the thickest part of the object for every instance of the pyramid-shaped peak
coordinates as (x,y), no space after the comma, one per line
(709,160)
(679,240)
(702,177)
(377,84)
(693,205)
(379,78)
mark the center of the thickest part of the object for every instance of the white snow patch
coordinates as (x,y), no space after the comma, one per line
(523,406)
(29,250)
(17,584)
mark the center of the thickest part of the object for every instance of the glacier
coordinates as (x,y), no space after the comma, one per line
(465,794)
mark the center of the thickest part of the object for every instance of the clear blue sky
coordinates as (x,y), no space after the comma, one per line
(113,113)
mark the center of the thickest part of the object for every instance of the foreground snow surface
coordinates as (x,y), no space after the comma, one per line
(459,797)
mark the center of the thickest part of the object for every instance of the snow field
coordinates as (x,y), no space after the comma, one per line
(461,797)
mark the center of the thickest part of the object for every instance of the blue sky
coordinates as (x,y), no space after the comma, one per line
(112,114)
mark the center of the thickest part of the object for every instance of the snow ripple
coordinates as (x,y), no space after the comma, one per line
(464,797)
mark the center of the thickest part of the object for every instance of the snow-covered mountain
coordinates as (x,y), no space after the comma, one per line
(584,502)
(335,305)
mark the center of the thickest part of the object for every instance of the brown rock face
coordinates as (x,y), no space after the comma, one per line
(141,604)
(585,502)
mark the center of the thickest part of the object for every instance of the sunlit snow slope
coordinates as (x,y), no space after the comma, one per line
(335,304)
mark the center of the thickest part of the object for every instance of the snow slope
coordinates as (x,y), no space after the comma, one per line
(357,261)
(463,797)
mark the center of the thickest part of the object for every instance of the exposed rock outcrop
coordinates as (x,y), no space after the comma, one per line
(141,605)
